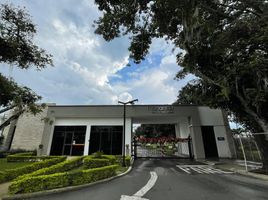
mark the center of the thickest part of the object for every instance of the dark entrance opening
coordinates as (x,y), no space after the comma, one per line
(68,140)
(107,139)
(209,142)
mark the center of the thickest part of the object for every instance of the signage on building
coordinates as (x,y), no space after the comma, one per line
(162,109)
(221,138)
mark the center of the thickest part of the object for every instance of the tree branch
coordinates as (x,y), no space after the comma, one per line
(6,109)
(13,117)
(262,123)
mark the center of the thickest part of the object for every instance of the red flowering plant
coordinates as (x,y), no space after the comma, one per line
(160,140)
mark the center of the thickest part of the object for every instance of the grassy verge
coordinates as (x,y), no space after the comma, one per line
(11,165)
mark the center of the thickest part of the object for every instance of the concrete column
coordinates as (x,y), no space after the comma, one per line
(197,142)
(128,137)
(87,140)
(177,130)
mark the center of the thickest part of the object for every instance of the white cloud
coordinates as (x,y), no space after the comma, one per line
(85,63)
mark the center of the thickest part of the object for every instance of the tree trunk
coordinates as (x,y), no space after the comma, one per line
(262,143)
(11,118)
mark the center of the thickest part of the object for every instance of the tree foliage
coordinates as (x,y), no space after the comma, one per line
(155,130)
(225,45)
(17,48)
(16,39)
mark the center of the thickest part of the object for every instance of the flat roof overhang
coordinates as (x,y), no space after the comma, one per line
(138,113)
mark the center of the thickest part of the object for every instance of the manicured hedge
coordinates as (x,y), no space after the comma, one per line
(46,182)
(14,173)
(90,163)
(119,160)
(114,159)
(27,157)
(60,167)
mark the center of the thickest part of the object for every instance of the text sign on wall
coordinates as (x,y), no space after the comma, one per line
(221,138)
(162,109)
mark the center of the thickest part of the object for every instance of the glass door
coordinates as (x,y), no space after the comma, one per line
(68,140)
(107,139)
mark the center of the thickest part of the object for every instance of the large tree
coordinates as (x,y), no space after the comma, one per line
(224,41)
(17,48)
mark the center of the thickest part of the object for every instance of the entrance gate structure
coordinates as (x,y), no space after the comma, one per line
(104,130)
(162,147)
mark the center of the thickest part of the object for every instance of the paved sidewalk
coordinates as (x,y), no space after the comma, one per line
(238,166)
(4,189)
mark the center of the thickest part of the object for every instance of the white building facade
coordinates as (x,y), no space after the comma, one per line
(82,130)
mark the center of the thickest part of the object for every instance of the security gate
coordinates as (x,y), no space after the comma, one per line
(162,147)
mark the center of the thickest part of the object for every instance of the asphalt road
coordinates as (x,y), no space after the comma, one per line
(172,184)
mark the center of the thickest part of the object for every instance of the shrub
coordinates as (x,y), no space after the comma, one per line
(59,167)
(46,182)
(112,159)
(27,157)
(97,154)
(14,173)
(90,163)
(4,154)
(119,160)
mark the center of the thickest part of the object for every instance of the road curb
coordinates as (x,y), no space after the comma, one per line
(65,189)
(250,174)
(241,172)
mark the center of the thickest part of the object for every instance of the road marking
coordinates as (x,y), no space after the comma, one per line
(201,169)
(138,195)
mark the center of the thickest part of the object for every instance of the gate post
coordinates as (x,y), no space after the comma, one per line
(134,148)
(190,147)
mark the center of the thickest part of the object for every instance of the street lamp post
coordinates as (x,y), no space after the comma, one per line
(124,125)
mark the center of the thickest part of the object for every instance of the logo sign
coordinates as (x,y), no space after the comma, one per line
(162,109)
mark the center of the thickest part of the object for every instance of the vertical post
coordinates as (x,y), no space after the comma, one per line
(190,147)
(135,148)
(243,151)
(124,132)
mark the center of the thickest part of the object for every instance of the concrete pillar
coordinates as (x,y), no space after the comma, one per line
(128,138)
(197,142)
(177,129)
(87,138)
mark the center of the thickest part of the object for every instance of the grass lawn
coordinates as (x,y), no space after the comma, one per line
(11,165)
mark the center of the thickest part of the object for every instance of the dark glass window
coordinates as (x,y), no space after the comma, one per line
(107,139)
(68,140)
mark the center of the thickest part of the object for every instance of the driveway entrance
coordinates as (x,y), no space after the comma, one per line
(162,147)
(156,179)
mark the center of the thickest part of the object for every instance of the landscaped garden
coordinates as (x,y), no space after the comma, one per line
(29,173)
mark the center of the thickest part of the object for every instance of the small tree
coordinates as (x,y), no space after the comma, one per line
(17,48)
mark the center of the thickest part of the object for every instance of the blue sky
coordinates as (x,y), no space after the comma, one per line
(89,70)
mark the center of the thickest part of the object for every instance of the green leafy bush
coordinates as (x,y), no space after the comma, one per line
(14,173)
(97,154)
(111,158)
(46,182)
(119,160)
(60,167)
(27,157)
(90,163)
(4,154)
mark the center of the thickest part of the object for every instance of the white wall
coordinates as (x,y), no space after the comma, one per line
(210,116)
(222,145)
(214,117)
(92,122)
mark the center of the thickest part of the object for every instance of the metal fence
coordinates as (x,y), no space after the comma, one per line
(246,147)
